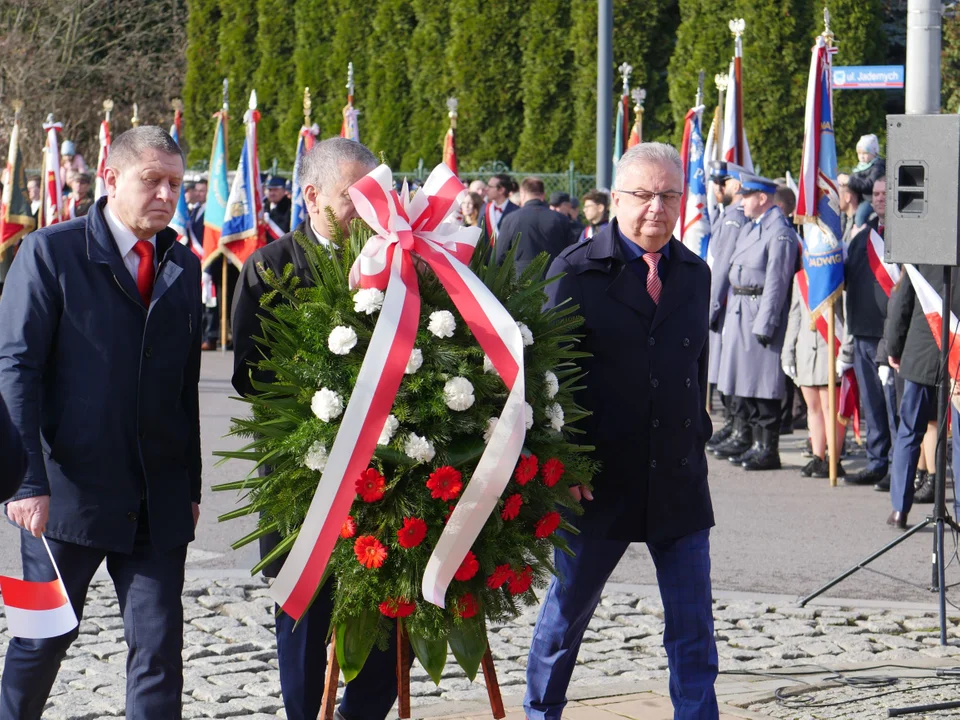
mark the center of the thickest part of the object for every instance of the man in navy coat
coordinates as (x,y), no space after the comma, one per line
(645,299)
(100,366)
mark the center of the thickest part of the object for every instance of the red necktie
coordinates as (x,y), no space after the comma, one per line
(145,272)
(654,286)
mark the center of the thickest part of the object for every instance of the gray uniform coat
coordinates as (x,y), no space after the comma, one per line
(805,348)
(764,258)
(723,236)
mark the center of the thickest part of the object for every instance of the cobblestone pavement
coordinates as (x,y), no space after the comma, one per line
(231,668)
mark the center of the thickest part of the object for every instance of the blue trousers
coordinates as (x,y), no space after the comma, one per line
(302,655)
(683,573)
(148,585)
(877,400)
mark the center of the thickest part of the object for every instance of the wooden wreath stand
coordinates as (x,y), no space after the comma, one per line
(403,680)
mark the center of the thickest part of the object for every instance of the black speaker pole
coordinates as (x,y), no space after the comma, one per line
(940,481)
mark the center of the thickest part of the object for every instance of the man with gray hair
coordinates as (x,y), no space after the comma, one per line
(644,298)
(99,367)
(326,172)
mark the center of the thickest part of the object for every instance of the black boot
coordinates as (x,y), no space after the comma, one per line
(749,452)
(768,458)
(925,493)
(824,471)
(722,434)
(738,442)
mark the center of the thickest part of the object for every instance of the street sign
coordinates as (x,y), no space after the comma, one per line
(868,77)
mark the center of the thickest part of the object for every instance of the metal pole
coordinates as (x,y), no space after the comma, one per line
(940,479)
(831,394)
(923,57)
(604,92)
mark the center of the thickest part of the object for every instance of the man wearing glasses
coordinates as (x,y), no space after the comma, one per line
(644,298)
(498,204)
(756,279)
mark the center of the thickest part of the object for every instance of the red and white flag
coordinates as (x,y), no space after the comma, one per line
(932,305)
(37,609)
(887,274)
(734,147)
(51,204)
(100,189)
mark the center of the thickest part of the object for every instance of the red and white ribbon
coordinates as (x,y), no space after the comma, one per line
(887,274)
(410,230)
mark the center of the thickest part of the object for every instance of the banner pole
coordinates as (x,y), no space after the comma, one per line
(831,419)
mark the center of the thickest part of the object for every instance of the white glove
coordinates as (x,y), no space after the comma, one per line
(842,367)
(790,371)
(886,374)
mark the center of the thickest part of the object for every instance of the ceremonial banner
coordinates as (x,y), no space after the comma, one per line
(735,147)
(37,610)
(409,231)
(51,202)
(619,135)
(16,218)
(100,188)
(181,217)
(243,232)
(217,194)
(636,131)
(932,305)
(305,141)
(350,128)
(818,201)
(694,223)
(450,151)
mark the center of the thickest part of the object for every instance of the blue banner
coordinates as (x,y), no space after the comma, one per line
(868,77)
(181,218)
(298,211)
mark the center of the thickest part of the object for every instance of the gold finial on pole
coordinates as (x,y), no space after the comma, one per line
(827,34)
(452,105)
(307,106)
(135,120)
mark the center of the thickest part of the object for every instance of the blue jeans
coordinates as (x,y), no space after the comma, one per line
(877,400)
(683,573)
(302,656)
(148,585)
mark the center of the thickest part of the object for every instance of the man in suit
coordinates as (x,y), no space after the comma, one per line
(866,314)
(100,366)
(756,278)
(644,298)
(596,206)
(498,205)
(538,227)
(14,456)
(327,170)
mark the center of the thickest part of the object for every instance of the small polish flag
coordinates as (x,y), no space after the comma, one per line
(37,609)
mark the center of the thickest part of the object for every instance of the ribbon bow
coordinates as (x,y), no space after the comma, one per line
(408,230)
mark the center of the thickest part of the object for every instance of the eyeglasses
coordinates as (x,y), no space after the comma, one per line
(669,198)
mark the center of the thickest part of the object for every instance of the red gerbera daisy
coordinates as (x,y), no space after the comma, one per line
(466,606)
(349,527)
(468,568)
(511,507)
(520,582)
(370,552)
(412,533)
(445,483)
(500,575)
(526,469)
(371,485)
(551,472)
(397,608)
(547,525)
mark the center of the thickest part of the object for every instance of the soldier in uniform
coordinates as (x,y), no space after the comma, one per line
(756,277)
(723,235)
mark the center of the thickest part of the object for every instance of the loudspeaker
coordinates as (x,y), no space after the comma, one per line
(923,189)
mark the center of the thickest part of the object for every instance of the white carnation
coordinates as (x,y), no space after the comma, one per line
(415,361)
(553,385)
(326,404)
(419,448)
(555,416)
(458,392)
(389,430)
(525,334)
(442,323)
(342,340)
(488,431)
(368,300)
(316,457)
(528,415)
(488,366)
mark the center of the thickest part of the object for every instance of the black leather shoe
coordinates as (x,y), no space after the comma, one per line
(883,485)
(720,435)
(812,467)
(824,470)
(866,477)
(898,520)
(738,443)
(768,456)
(749,452)
(925,493)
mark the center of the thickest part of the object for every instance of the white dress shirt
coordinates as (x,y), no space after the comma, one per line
(320,238)
(125,240)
